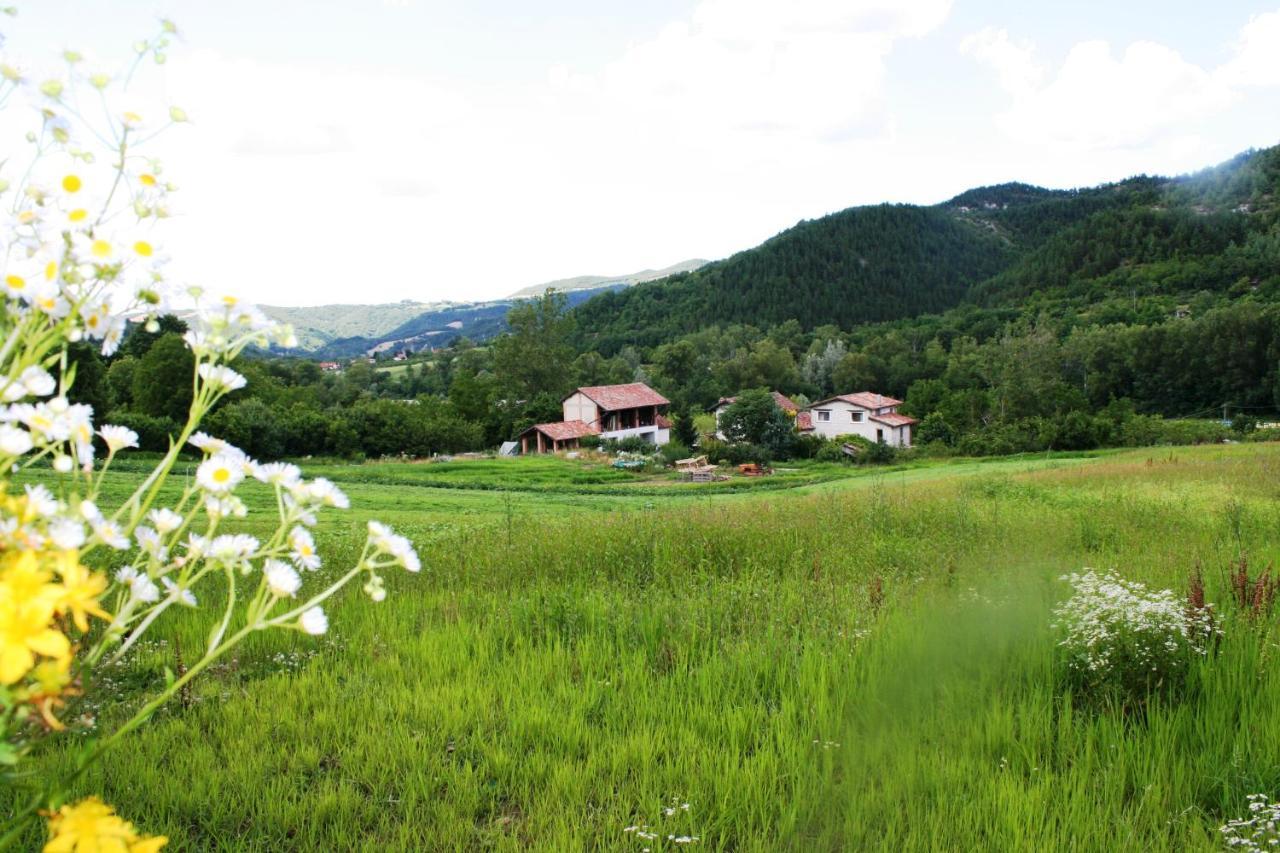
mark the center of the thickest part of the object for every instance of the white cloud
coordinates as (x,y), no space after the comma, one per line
(1257,54)
(342,184)
(1100,101)
(1014,62)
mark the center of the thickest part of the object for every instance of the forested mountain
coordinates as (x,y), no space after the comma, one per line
(1154,244)
(860,265)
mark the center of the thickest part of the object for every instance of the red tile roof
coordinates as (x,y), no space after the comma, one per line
(804,421)
(663,422)
(564,430)
(864,399)
(784,402)
(630,396)
(894,419)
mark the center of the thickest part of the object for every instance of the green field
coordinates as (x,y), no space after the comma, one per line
(833,658)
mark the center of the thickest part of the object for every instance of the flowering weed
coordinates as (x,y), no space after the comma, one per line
(1123,640)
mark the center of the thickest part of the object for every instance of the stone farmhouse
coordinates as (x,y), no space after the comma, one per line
(609,411)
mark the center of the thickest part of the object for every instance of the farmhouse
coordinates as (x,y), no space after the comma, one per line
(872,416)
(609,411)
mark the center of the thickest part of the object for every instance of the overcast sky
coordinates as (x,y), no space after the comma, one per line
(378,150)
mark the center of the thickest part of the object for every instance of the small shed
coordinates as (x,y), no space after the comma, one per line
(561,435)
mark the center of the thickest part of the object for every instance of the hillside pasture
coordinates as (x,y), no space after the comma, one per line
(858,663)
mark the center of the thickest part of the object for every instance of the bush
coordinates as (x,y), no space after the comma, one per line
(589,442)
(1123,641)
(830,452)
(674,450)
(807,446)
(153,432)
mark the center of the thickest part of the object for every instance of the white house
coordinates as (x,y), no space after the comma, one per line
(609,411)
(872,416)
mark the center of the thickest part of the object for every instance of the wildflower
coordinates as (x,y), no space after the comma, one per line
(110,534)
(80,591)
(141,587)
(282,579)
(40,501)
(25,627)
(179,594)
(220,473)
(207,443)
(225,506)
(151,544)
(165,519)
(66,533)
(33,382)
(118,437)
(325,492)
(232,549)
(93,825)
(62,463)
(14,441)
(222,378)
(303,549)
(278,473)
(314,621)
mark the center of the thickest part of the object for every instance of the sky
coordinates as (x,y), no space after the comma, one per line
(360,151)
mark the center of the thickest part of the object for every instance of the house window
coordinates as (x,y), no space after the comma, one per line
(824,415)
(880,436)
(857,417)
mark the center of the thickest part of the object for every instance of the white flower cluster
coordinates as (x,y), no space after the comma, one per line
(647,835)
(1120,632)
(1259,831)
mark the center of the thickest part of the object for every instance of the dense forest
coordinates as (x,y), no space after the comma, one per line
(1009,318)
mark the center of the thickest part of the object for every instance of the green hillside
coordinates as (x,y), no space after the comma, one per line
(860,265)
(1012,246)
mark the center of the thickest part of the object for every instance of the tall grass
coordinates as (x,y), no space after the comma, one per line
(859,669)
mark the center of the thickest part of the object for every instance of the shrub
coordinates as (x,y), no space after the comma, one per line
(153,432)
(807,446)
(1124,641)
(674,450)
(830,452)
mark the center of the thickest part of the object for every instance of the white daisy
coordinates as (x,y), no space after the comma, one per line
(282,579)
(118,437)
(278,473)
(325,492)
(14,441)
(41,501)
(314,622)
(165,519)
(220,473)
(110,534)
(182,596)
(232,547)
(221,377)
(66,533)
(304,549)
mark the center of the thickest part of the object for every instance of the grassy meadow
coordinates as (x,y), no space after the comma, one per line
(834,658)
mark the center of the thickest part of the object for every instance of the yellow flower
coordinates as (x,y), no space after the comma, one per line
(92,826)
(26,611)
(79,591)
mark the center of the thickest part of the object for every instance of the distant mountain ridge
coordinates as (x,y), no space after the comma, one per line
(342,331)
(595,282)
